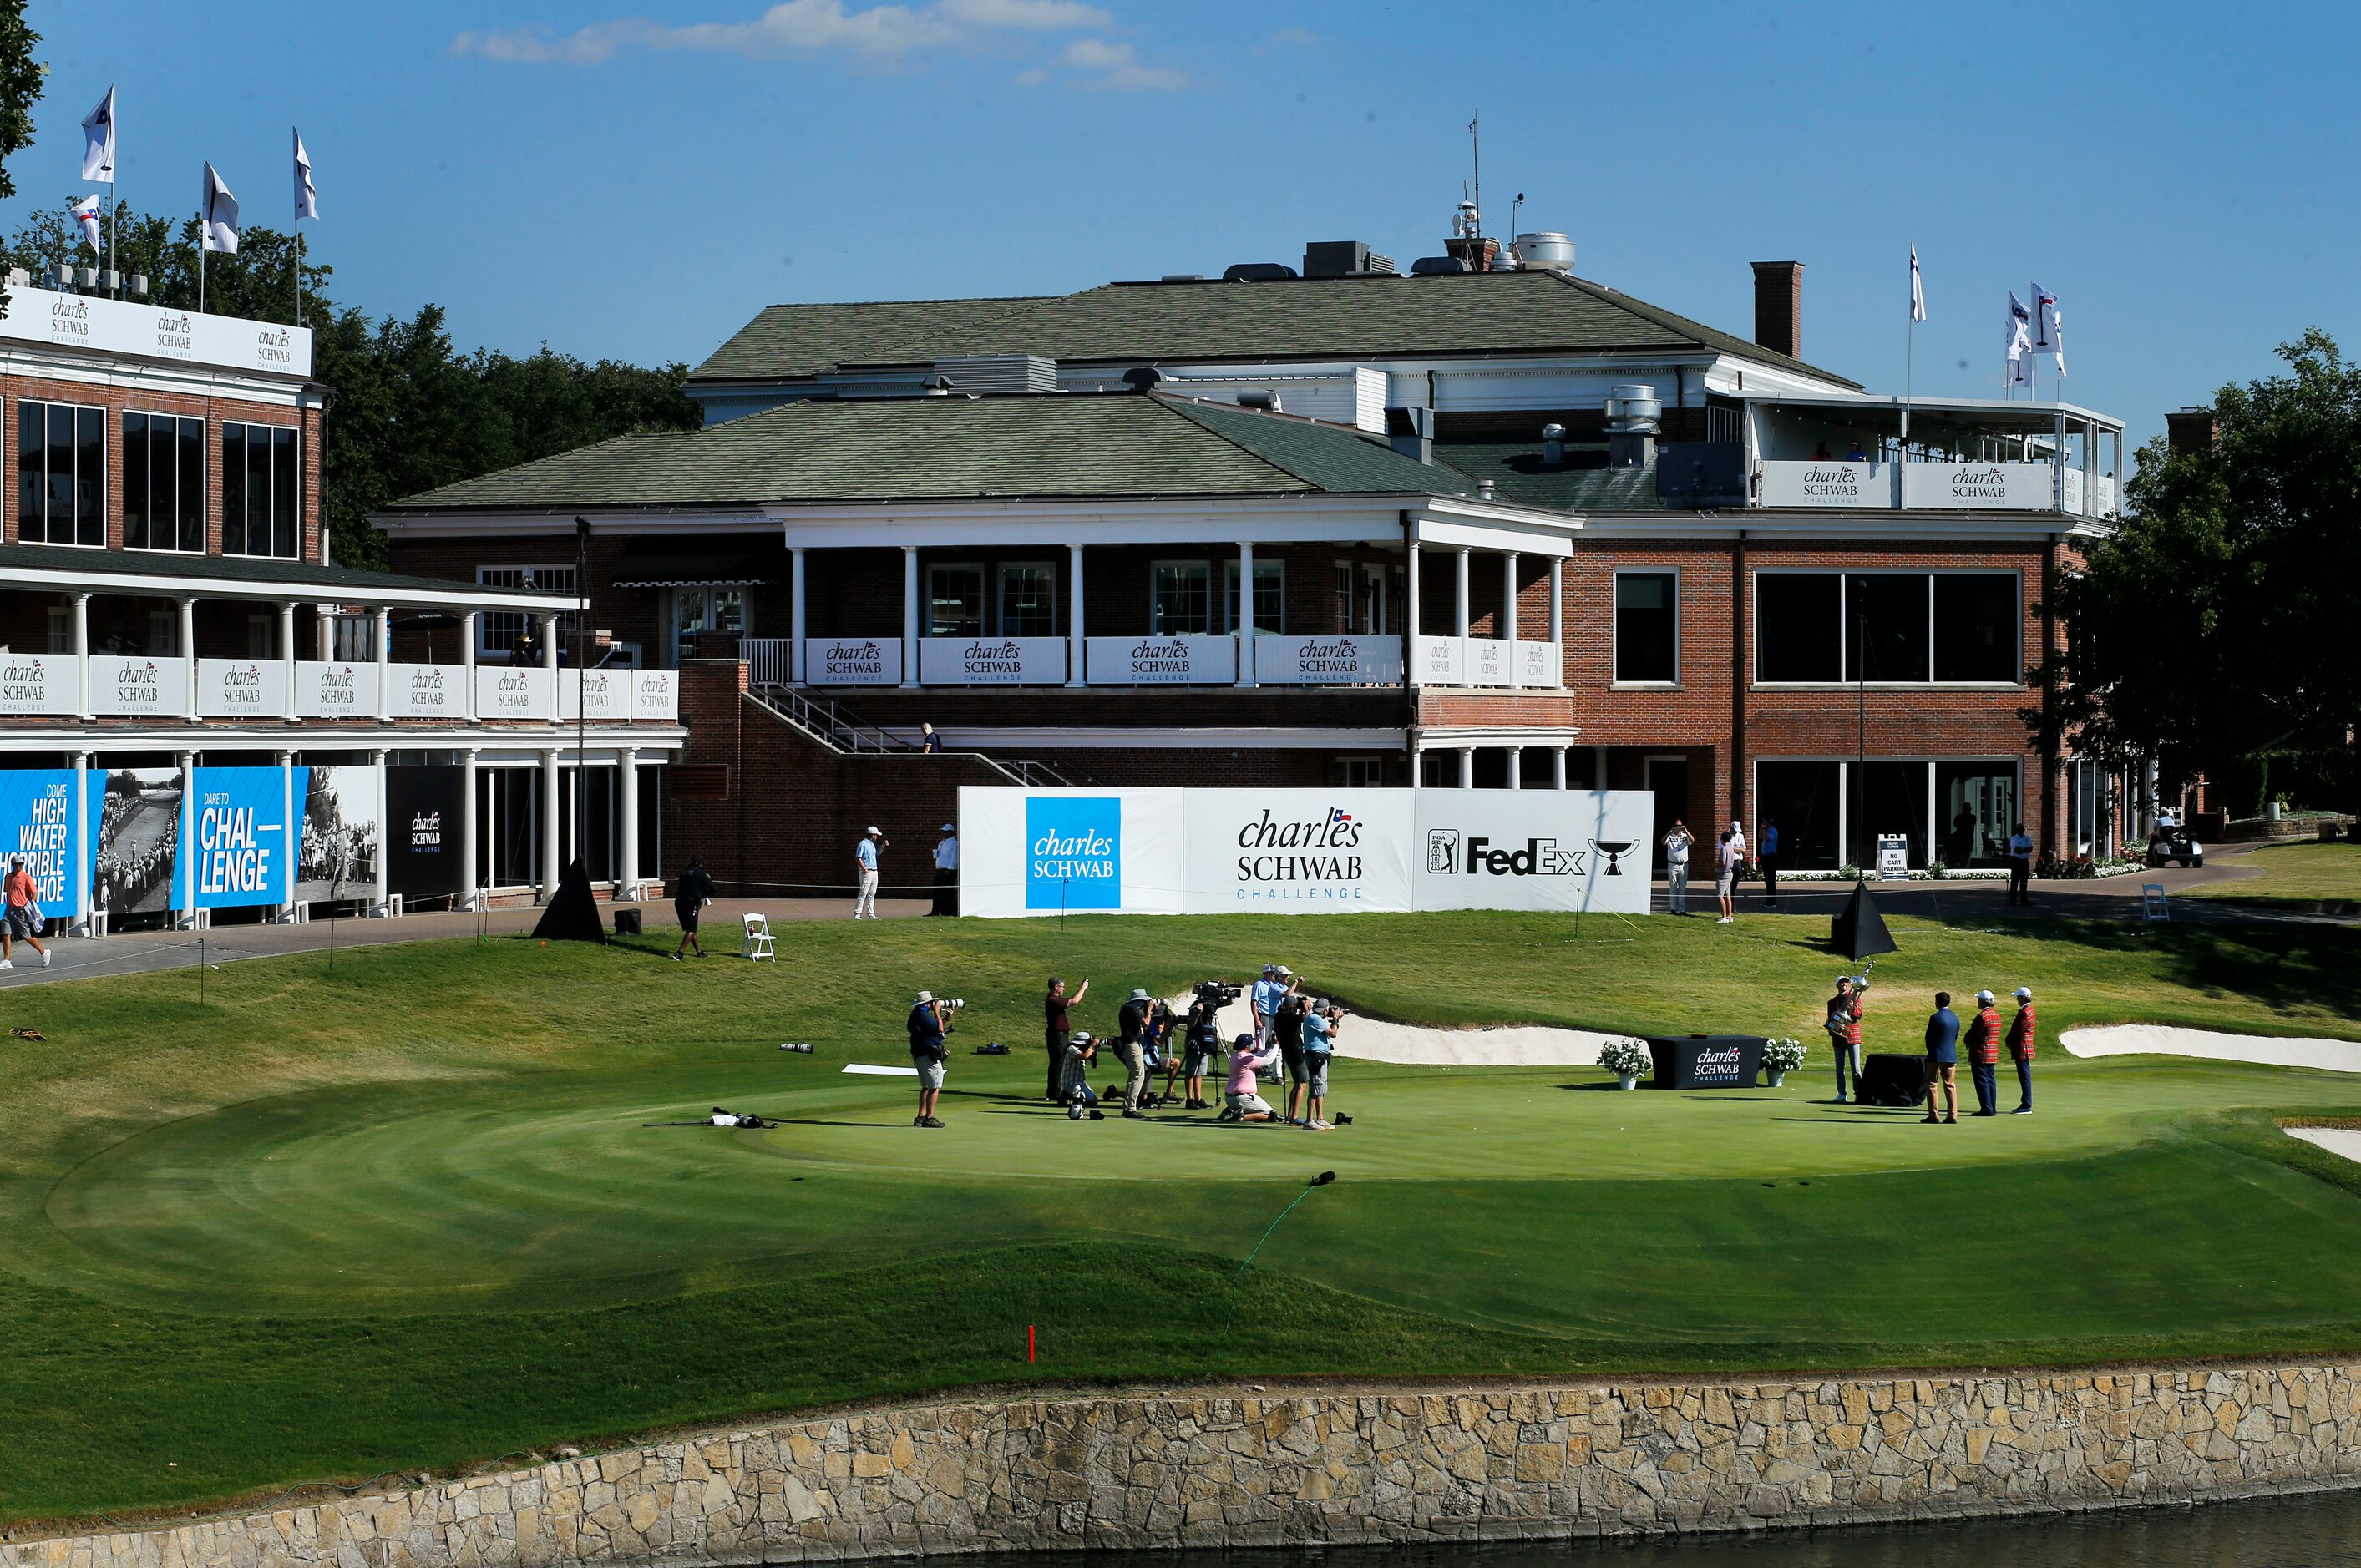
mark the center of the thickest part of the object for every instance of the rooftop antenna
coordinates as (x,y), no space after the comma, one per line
(1475,157)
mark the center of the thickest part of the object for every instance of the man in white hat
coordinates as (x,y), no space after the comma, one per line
(1983,1040)
(865,865)
(929,1054)
(947,871)
(2020,1049)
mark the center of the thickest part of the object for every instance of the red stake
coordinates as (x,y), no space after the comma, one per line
(1028,1344)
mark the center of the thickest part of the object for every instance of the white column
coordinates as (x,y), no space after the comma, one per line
(1516,767)
(293,817)
(1557,767)
(1074,614)
(381,652)
(188,651)
(1245,623)
(627,853)
(1557,619)
(468,857)
(378,903)
(81,815)
(1409,606)
(909,615)
(1508,604)
(796,613)
(1466,753)
(186,919)
(325,632)
(468,658)
(287,656)
(1459,591)
(549,798)
(548,660)
(81,653)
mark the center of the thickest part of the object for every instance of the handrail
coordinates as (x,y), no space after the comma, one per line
(827,721)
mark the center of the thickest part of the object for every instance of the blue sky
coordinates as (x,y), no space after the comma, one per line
(636,179)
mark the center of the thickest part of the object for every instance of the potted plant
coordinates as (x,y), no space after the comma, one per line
(1628,1059)
(1780,1057)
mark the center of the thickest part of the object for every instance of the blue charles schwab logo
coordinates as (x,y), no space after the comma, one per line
(1073,852)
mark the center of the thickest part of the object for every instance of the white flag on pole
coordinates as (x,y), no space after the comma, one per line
(1917,291)
(307,200)
(2020,339)
(218,214)
(2049,334)
(98,141)
(85,212)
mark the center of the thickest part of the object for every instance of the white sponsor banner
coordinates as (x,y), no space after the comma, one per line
(134,683)
(511,691)
(242,688)
(426,691)
(1051,852)
(2071,483)
(39,683)
(77,321)
(1328,659)
(1981,486)
(335,689)
(599,696)
(1182,660)
(655,694)
(1489,661)
(991,661)
(1297,851)
(1826,482)
(1538,663)
(1440,661)
(852,661)
(1526,849)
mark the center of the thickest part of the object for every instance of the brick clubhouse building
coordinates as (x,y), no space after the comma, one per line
(1496,528)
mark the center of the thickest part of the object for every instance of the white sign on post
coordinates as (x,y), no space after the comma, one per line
(852,661)
(39,683)
(1179,660)
(991,661)
(1892,856)
(242,688)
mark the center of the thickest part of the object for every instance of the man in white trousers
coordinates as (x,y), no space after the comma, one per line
(865,859)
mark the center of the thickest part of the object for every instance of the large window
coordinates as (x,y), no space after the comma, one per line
(695,611)
(954,601)
(1888,628)
(61,474)
(163,482)
(1647,627)
(1180,598)
(1801,799)
(1028,600)
(262,491)
(499,631)
(1269,598)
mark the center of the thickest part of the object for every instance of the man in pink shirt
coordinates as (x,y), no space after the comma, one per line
(16,923)
(1242,1103)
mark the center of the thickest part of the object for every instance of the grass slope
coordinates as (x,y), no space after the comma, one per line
(2300,876)
(404,1214)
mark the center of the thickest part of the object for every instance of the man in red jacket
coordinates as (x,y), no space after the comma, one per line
(2020,1049)
(1984,1054)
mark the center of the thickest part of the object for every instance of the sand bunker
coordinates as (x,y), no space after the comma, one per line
(1371,1039)
(2156,1040)
(2335,1140)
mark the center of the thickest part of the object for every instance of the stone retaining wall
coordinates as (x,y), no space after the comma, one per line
(1485,1463)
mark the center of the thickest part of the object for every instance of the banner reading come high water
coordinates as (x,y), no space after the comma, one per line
(38,827)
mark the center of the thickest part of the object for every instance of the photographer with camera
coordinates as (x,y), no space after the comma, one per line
(929,1022)
(1130,1048)
(1162,1052)
(1287,1028)
(1202,1038)
(1320,1020)
(1241,1103)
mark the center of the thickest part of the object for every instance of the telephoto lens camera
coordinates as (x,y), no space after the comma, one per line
(804,1046)
(954,1003)
(1220,993)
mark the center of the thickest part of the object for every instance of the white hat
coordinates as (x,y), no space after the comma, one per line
(924,997)
(1983,996)
(874,832)
(1139,995)
(1736,825)
(1282,969)
(2023,994)
(948,828)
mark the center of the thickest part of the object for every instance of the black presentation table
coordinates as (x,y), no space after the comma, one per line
(1892,1078)
(1705,1061)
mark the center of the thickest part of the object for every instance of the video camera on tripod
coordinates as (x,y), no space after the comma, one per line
(1216,994)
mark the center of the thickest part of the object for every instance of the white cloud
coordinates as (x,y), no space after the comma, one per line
(882,32)
(1119,66)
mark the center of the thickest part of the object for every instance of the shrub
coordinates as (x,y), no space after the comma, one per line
(1783,1056)
(1626,1057)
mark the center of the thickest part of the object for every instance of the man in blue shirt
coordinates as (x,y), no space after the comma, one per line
(2020,866)
(1766,855)
(1264,999)
(864,866)
(1320,1022)
(1943,1059)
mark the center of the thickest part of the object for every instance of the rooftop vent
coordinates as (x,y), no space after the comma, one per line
(1142,377)
(1183,278)
(984,373)
(1548,251)
(1438,266)
(1552,444)
(1260,401)
(1345,258)
(1258,272)
(1633,414)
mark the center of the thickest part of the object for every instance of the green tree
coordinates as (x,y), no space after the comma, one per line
(20,86)
(2220,622)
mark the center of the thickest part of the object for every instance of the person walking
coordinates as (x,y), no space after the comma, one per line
(1725,876)
(947,871)
(1984,1054)
(1677,866)
(1843,1024)
(1943,1059)
(1767,857)
(929,743)
(17,921)
(1057,1033)
(929,1054)
(2020,1049)
(689,901)
(1131,1049)
(2020,866)
(864,866)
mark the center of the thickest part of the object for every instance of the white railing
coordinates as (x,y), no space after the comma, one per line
(48,685)
(1539,663)
(767,660)
(1438,660)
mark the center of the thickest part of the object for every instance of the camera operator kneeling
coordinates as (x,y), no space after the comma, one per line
(1074,1088)
(1242,1103)
(929,1022)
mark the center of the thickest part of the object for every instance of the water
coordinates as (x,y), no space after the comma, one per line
(2322,1531)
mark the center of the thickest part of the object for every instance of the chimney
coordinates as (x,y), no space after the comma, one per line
(2188,430)
(1779,306)
(1411,432)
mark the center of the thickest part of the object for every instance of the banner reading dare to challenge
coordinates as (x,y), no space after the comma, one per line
(242,830)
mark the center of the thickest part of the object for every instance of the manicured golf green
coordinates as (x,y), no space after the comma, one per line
(406,1215)
(2297,874)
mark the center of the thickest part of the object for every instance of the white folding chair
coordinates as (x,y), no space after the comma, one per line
(755,938)
(2153,905)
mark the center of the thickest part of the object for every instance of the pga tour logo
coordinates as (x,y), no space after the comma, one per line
(1447,855)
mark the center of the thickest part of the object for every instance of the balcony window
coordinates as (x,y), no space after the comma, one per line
(1269,598)
(1028,600)
(61,474)
(262,491)
(497,632)
(954,601)
(163,483)
(1798,626)
(1647,626)
(699,610)
(1180,598)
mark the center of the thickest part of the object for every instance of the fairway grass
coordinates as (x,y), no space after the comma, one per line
(406,1215)
(2297,876)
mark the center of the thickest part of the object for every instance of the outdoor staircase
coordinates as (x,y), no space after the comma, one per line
(829,724)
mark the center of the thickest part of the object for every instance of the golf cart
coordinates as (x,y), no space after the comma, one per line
(2169,842)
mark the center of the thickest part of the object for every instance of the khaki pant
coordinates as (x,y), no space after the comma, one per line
(865,901)
(1134,1068)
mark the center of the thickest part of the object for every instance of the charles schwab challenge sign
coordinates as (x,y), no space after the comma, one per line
(241,688)
(991,661)
(514,692)
(852,661)
(125,326)
(136,684)
(1073,852)
(1178,660)
(424,809)
(38,683)
(1827,482)
(1315,851)
(1981,486)
(336,690)
(426,691)
(37,826)
(1330,659)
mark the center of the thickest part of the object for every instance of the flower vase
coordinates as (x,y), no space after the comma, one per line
(1628,1080)
(1778,1076)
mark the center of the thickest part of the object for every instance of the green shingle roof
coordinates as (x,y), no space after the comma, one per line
(955,448)
(1511,312)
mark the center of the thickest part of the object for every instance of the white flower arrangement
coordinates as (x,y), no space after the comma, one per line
(1783,1056)
(1626,1059)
